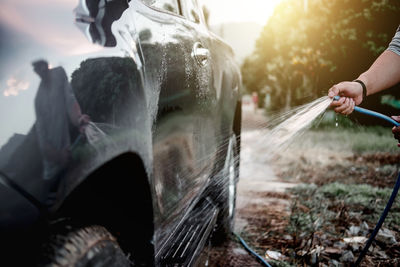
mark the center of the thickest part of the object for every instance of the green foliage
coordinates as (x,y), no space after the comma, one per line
(368,142)
(324,204)
(302,223)
(330,119)
(391,101)
(363,196)
(350,137)
(300,53)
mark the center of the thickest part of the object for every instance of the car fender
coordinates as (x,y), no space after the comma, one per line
(17,207)
(130,133)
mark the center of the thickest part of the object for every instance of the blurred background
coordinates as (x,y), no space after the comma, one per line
(314,203)
(293,51)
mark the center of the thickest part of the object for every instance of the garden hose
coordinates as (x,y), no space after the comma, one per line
(372,113)
(252,251)
(394,192)
(384,213)
(380,222)
(377,115)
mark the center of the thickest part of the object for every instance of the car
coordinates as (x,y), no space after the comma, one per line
(120,133)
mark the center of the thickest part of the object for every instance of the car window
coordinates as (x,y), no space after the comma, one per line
(168,5)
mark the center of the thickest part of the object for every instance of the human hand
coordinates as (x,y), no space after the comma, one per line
(344,105)
(352,91)
(396,129)
(83,122)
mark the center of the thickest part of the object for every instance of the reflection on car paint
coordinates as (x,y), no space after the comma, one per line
(57,115)
(131,84)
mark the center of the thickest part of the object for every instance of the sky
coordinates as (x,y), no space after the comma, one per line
(32,30)
(37,25)
(222,11)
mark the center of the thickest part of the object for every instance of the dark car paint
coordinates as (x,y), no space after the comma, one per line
(172,111)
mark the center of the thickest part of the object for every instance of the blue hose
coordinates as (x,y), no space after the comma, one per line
(372,113)
(384,213)
(394,192)
(380,222)
(377,115)
(252,251)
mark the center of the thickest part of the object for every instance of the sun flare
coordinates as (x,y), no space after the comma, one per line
(223,11)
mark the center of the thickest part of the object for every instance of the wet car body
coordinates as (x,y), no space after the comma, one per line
(126,126)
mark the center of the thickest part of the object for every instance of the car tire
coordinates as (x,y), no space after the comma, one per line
(226,188)
(84,247)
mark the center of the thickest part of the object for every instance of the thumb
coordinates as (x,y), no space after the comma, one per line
(334,91)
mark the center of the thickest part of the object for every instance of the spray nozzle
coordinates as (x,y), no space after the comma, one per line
(336,98)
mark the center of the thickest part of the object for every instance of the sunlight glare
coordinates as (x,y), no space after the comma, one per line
(224,11)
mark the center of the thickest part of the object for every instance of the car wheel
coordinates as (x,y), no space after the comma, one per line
(227,193)
(83,247)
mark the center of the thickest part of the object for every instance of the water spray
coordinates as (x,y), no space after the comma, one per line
(291,125)
(395,189)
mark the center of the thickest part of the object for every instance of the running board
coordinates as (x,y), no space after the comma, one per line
(189,240)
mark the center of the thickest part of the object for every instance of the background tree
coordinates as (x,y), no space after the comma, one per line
(302,52)
(104,88)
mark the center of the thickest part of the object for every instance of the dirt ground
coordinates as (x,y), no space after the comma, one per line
(267,206)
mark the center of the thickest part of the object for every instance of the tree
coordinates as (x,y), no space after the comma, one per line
(300,53)
(104,88)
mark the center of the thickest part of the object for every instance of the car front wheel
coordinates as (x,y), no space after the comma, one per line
(83,247)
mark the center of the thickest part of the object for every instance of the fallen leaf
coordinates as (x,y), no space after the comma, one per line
(332,250)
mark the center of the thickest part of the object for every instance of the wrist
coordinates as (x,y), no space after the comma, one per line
(363,86)
(366,79)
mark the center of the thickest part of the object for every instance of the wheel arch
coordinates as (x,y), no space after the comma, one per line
(117,195)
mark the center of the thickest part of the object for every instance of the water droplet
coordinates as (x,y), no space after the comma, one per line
(336,120)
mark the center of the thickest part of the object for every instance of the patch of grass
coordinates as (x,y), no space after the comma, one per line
(362,194)
(374,139)
(362,202)
(339,160)
(361,139)
(358,139)
(308,211)
(322,216)
(331,120)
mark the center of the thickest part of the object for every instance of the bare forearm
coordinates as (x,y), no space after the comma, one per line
(384,73)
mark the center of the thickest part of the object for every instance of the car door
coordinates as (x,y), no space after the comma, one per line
(181,101)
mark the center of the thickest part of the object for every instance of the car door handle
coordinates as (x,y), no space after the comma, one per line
(200,54)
